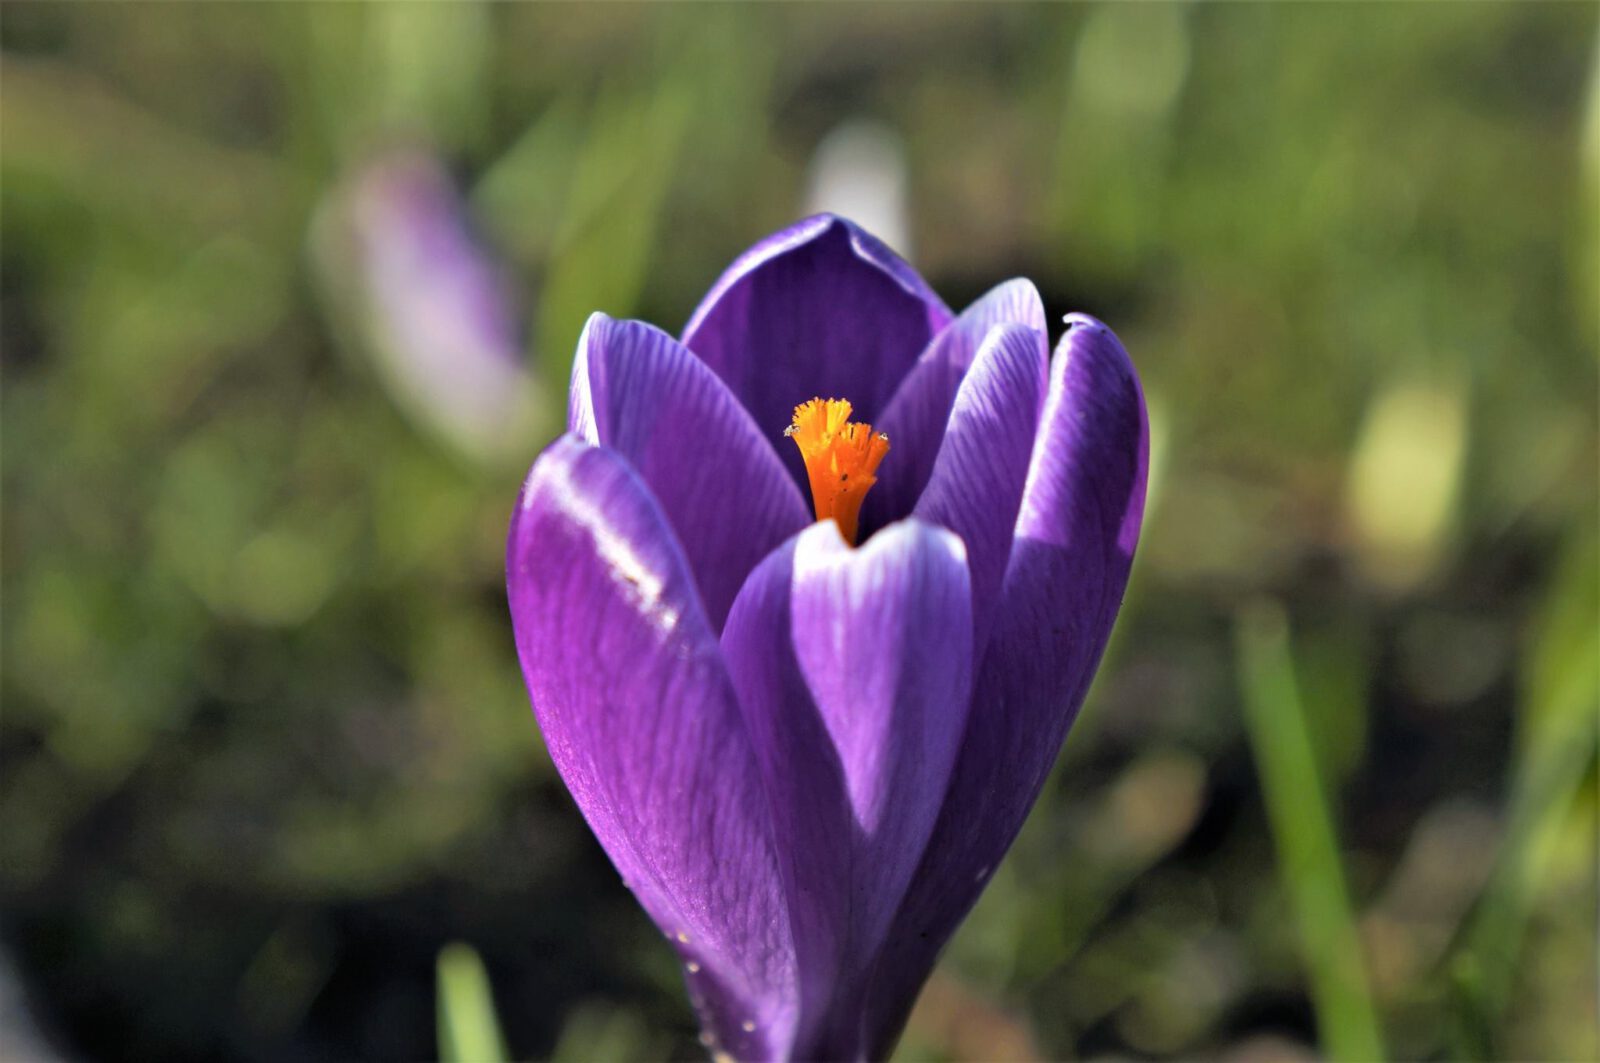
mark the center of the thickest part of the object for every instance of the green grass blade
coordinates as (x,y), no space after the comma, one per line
(469,1032)
(1302,827)
(1555,753)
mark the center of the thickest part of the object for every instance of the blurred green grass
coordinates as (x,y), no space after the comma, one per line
(264,747)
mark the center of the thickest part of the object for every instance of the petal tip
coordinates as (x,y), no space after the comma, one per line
(1085,328)
(1081,320)
(917,534)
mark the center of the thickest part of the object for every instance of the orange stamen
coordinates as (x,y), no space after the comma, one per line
(841,459)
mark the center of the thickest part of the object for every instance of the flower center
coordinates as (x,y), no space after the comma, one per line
(841,459)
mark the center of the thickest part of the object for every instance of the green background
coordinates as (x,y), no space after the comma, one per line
(265,749)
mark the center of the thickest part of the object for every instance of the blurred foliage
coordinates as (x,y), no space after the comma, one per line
(1302,827)
(265,748)
(469,1031)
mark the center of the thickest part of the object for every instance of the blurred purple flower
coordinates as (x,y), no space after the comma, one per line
(434,310)
(806,759)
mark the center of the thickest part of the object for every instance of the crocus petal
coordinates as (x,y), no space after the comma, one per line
(1076,533)
(915,418)
(819,310)
(636,706)
(976,486)
(639,392)
(854,669)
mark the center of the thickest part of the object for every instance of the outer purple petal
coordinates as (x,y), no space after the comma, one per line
(639,392)
(854,669)
(1076,534)
(636,706)
(915,418)
(819,310)
(977,481)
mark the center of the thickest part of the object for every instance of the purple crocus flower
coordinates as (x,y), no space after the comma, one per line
(806,757)
(430,303)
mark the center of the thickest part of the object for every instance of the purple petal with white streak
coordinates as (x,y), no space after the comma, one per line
(853,668)
(640,717)
(639,392)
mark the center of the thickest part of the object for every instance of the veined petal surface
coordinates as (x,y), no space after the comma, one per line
(821,309)
(854,669)
(976,486)
(917,415)
(640,717)
(639,392)
(1077,529)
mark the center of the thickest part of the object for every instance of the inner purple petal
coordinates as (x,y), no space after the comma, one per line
(918,413)
(833,316)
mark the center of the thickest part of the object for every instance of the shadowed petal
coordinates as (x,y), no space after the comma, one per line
(916,417)
(977,481)
(639,392)
(853,668)
(819,310)
(1076,533)
(640,718)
